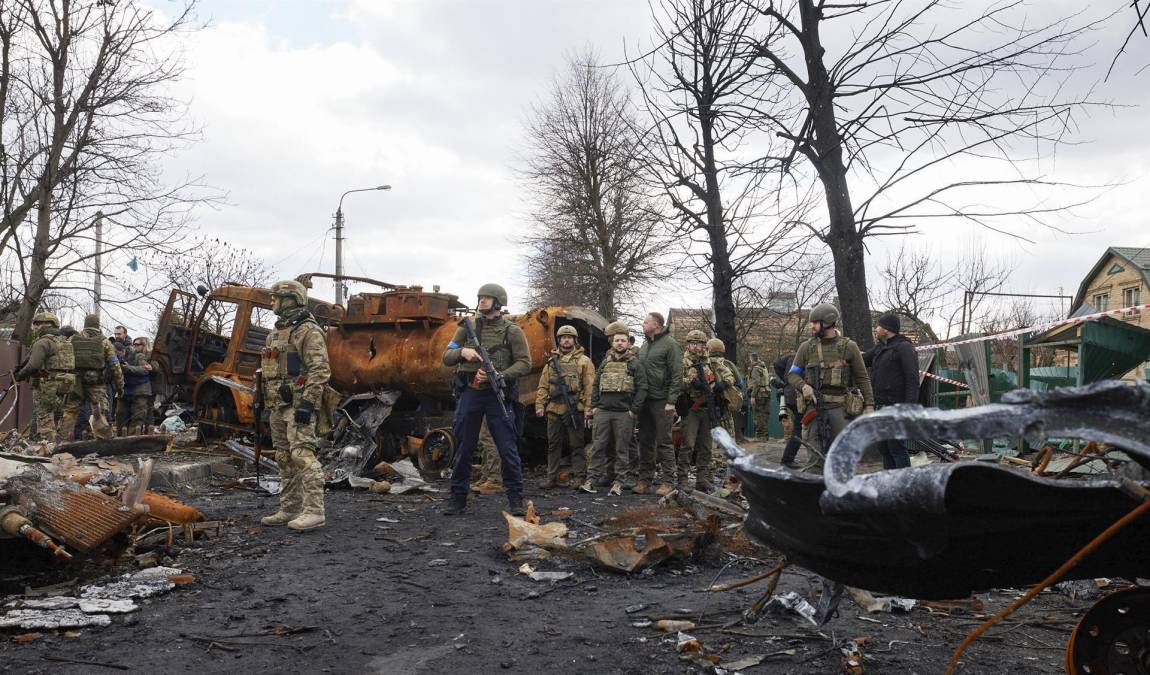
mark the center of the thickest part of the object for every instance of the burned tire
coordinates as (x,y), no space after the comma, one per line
(436,452)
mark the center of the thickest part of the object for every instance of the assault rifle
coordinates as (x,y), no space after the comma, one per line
(561,382)
(494,378)
(818,414)
(713,412)
(258,407)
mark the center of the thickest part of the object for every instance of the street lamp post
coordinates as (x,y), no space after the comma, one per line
(339,287)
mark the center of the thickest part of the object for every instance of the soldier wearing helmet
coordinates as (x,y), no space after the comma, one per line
(569,363)
(618,394)
(96,360)
(701,373)
(51,366)
(507,345)
(735,394)
(295,374)
(840,369)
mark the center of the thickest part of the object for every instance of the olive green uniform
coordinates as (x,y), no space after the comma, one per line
(578,372)
(841,368)
(759,387)
(50,365)
(663,359)
(618,395)
(95,358)
(697,425)
(734,403)
(296,371)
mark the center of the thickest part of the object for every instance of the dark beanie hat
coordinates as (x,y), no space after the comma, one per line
(890,322)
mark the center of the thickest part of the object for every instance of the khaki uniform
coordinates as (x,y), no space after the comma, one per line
(759,388)
(728,419)
(295,368)
(491,467)
(841,367)
(697,424)
(51,366)
(578,372)
(95,357)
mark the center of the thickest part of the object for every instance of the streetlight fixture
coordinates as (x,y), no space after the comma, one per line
(339,285)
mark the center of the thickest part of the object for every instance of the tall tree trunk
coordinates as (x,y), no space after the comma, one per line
(722,276)
(843,238)
(37,275)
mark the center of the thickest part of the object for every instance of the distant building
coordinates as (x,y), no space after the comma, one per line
(1117,280)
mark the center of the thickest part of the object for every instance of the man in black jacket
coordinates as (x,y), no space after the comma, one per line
(894,376)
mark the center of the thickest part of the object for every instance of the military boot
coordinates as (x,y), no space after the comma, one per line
(307,521)
(515,505)
(456,504)
(279,518)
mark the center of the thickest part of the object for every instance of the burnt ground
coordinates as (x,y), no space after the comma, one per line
(435,594)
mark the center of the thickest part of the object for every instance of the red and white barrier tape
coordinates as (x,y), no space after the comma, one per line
(940,378)
(1037,329)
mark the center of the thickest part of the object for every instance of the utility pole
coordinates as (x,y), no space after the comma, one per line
(339,254)
(339,285)
(97,283)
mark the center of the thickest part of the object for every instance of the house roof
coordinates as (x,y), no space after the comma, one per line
(1138,258)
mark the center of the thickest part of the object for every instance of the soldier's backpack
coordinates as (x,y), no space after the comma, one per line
(89,354)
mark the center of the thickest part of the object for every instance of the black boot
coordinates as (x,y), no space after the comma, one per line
(456,504)
(515,505)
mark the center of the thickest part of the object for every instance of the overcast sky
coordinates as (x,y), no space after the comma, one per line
(300,100)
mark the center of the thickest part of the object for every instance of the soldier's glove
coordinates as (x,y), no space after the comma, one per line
(303,412)
(18,377)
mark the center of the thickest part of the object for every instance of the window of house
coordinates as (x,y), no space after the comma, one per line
(1131,296)
(1102,302)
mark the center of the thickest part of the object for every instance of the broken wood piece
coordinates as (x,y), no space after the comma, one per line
(125,445)
(777,569)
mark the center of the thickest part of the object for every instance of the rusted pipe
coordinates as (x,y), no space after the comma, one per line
(14,523)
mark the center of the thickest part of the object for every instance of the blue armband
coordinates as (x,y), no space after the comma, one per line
(453,345)
(798,370)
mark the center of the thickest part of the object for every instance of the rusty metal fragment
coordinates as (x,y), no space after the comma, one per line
(945,530)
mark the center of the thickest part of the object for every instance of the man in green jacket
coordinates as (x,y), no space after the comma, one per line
(662,360)
(51,367)
(95,361)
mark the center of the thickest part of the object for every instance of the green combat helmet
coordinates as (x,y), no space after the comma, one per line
(567,330)
(495,291)
(92,321)
(826,314)
(289,289)
(696,336)
(46,317)
(716,346)
(616,328)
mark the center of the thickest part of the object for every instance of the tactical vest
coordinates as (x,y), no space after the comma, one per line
(832,362)
(280,360)
(616,377)
(493,338)
(89,351)
(692,372)
(61,359)
(569,371)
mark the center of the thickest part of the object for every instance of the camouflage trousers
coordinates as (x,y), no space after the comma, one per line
(762,412)
(491,467)
(300,471)
(48,398)
(697,447)
(94,394)
(134,414)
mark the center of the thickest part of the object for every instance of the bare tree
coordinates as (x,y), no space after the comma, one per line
(597,239)
(85,115)
(699,91)
(915,112)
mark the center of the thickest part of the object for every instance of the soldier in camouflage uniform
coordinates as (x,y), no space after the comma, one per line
(734,396)
(507,345)
(577,371)
(841,367)
(697,423)
(759,388)
(95,360)
(51,366)
(618,395)
(295,373)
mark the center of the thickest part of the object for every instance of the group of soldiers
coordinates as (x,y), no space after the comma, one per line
(630,401)
(73,371)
